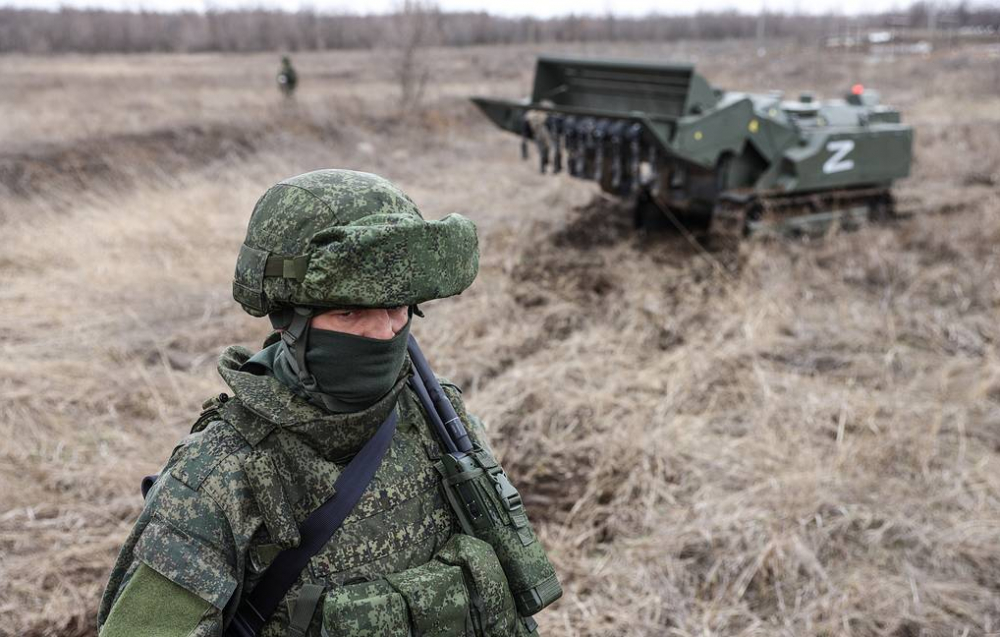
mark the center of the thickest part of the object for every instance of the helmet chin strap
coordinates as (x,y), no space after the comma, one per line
(294,324)
(295,336)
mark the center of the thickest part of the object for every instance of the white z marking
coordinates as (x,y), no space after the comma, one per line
(837,162)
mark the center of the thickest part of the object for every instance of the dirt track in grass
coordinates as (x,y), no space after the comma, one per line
(804,440)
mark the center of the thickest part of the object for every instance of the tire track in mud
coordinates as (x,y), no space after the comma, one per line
(569,278)
(62,173)
(585,276)
(121,160)
(574,278)
(557,280)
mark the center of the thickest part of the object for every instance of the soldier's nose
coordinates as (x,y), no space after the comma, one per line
(379,325)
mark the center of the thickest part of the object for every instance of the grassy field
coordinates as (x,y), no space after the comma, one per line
(805,444)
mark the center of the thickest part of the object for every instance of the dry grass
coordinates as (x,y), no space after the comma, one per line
(806,445)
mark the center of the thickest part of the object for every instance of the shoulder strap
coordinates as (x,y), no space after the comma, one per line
(257,607)
(440,411)
(209,412)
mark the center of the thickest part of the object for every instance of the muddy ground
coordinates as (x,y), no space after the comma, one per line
(793,438)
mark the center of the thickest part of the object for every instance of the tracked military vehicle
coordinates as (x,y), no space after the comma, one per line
(688,151)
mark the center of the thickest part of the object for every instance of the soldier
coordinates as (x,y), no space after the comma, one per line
(287,77)
(339,261)
(542,134)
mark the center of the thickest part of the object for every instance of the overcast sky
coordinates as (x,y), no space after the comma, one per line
(539,8)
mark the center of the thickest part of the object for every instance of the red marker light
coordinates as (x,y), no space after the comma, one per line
(857,89)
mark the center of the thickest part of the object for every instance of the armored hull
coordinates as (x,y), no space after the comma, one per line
(686,150)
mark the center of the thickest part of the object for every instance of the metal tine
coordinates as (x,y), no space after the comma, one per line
(653,159)
(634,135)
(554,124)
(543,153)
(615,132)
(600,141)
(586,144)
(525,134)
(570,134)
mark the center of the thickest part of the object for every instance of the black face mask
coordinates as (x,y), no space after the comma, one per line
(352,372)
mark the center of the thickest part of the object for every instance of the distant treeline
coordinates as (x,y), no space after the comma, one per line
(99,31)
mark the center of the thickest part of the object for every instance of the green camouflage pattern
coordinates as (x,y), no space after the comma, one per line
(287,77)
(462,591)
(233,495)
(358,241)
(493,606)
(491,510)
(530,576)
(275,509)
(368,609)
(391,260)
(436,597)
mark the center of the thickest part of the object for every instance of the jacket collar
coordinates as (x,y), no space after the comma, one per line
(334,436)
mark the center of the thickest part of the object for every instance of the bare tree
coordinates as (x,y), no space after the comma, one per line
(417,24)
(412,28)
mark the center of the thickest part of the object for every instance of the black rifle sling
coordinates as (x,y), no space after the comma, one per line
(443,419)
(257,607)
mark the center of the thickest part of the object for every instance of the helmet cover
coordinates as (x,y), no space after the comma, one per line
(340,238)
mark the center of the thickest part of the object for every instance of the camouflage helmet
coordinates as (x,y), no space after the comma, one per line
(340,238)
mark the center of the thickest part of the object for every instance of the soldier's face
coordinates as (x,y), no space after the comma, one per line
(367,322)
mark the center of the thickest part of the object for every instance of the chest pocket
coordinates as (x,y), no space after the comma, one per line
(462,591)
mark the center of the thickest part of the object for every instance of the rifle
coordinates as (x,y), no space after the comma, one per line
(487,504)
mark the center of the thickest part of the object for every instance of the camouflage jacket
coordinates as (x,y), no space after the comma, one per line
(235,491)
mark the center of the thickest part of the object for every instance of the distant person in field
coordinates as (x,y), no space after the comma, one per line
(340,489)
(287,77)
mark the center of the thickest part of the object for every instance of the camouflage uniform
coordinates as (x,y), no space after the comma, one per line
(256,464)
(287,78)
